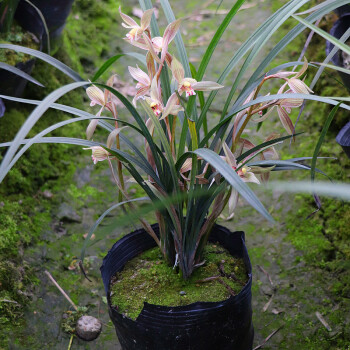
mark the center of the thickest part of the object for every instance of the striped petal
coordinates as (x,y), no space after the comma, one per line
(206,86)
(177,70)
(128,20)
(285,120)
(146,19)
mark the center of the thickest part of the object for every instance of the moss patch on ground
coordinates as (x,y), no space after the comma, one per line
(148,278)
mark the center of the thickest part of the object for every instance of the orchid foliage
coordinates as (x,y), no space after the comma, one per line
(189,168)
(185,226)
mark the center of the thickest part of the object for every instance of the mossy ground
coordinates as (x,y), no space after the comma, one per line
(148,278)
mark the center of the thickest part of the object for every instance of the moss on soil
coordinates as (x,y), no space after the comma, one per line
(148,278)
(17,36)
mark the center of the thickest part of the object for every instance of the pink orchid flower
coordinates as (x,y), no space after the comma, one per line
(136,30)
(155,102)
(190,85)
(143,82)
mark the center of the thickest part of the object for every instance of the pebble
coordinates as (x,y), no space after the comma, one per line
(182,292)
(88,328)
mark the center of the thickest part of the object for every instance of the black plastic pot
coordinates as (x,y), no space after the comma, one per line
(225,325)
(339,28)
(55,13)
(12,84)
(342,10)
(343,138)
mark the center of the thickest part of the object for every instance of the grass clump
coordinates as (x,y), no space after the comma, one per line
(148,278)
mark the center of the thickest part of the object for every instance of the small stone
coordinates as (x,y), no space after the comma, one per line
(182,292)
(47,194)
(88,328)
(2,204)
(67,213)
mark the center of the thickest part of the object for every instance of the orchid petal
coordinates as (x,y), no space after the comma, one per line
(96,95)
(171,106)
(230,158)
(177,70)
(206,86)
(151,48)
(139,75)
(285,120)
(169,34)
(112,136)
(146,19)
(91,128)
(128,20)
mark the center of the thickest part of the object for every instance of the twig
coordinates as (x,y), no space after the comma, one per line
(8,301)
(61,290)
(227,287)
(208,279)
(323,321)
(267,339)
(266,273)
(70,342)
(268,304)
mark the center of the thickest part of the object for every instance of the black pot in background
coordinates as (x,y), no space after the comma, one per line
(343,138)
(55,13)
(342,10)
(224,325)
(339,28)
(2,108)
(12,84)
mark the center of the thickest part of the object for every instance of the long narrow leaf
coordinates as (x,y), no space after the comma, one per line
(325,35)
(233,179)
(45,57)
(321,138)
(32,119)
(17,71)
(100,219)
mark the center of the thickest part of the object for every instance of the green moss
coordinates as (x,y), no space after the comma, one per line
(148,278)
(17,36)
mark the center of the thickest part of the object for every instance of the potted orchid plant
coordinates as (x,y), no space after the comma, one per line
(190,169)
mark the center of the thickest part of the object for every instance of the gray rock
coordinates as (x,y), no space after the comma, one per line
(67,213)
(88,328)
(182,292)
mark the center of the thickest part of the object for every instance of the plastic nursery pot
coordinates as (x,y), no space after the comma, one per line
(55,13)
(224,325)
(12,84)
(342,10)
(339,28)
(343,138)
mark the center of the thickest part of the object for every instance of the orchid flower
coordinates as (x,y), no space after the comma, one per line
(98,153)
(143,82)
(156,104)
(190,85)
(136,31)
(159,44)
(244,172)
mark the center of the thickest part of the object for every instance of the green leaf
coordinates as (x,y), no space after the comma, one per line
(263,145)
(31,120)
(17,71)
(45,57)
(339,191)
(169,14)
(325,35)
(106,65)
(216,38)
(233,179)
(100,219)
(326,125)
